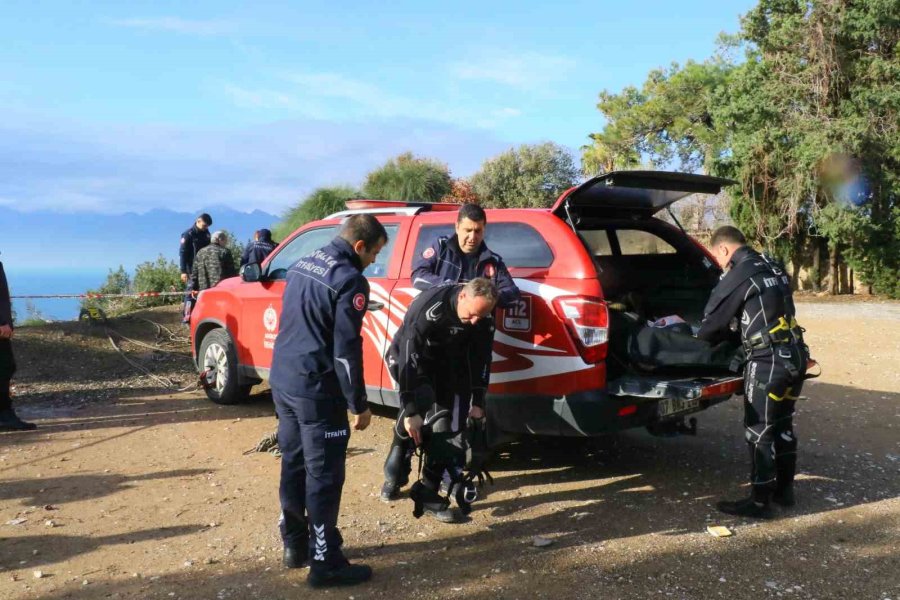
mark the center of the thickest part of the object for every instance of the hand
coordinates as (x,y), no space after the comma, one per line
(194,293)
(476,412)
(6,332)
(413,426)
(362,420)
(184,278)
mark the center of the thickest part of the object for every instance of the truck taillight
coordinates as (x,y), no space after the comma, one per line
(587,320)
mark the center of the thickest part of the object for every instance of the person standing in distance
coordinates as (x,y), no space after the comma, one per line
(212,264)
(9,420)
(753,301)
(260,248)
(192,241)
(316,375)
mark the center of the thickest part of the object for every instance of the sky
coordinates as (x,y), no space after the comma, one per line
(113,107)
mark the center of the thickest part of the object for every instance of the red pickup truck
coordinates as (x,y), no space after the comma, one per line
(555,371)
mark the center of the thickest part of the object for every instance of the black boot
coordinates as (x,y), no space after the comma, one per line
(756,506)
(10,421)
(784,496)
(429,502)
(390,491)
(397,467)
(294,558)
(341,574)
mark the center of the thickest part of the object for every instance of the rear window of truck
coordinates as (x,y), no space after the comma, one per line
(518,244)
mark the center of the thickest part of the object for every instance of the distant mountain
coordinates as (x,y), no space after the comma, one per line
(39,241)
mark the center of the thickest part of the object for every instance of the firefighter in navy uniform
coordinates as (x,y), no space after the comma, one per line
(753,301)
(441,360)
(316,375)
(259,249)
(193,241)
(457,259)
(464,256)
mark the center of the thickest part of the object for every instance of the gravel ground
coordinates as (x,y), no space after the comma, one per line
(129,490)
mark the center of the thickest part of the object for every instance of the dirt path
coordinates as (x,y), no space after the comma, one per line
(126,492)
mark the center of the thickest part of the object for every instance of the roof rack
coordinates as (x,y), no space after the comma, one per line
(395,207)
(408,211)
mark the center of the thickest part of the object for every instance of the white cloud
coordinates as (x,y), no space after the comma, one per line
(67,167)
(176,25)
(338,97)
(522,70)
(266,99)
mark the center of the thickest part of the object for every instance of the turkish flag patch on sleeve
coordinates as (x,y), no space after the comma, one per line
(359,301)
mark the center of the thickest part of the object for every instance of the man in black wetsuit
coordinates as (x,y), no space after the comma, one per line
(753,301)
(441,360)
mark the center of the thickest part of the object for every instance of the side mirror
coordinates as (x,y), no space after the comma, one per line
(373,305)
(251,273)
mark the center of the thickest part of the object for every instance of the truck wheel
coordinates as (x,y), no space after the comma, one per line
(218,359)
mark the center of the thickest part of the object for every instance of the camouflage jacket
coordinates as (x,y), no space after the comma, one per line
(211,265)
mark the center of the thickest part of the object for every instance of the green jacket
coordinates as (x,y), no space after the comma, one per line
(211,265)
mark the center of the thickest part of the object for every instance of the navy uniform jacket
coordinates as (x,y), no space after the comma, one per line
(444,262)
(192,241)
(432,337)
(749,299)
(318,353)
(256,252)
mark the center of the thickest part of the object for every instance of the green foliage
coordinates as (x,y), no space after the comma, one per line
(409,178)
(117,282)
(667,120)
(319,204)
(35,317)
(816,90)
(530,176)
(160,275)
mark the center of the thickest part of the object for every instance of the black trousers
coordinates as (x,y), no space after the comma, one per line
(432,396)
(313,437)
(771,387)
(7,368)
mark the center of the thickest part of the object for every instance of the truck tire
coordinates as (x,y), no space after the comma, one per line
(218,359)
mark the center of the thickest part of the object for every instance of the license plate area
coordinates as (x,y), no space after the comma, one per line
(673,406)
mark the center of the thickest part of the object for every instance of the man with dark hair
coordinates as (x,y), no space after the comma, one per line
(9,420)
(753,301)
(257,250)
(463,257)
(441,360)
(192,241)
(212,264)
(316,375)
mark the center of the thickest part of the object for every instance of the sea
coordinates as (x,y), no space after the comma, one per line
(28,283)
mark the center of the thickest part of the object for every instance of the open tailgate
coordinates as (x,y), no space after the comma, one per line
(626,193)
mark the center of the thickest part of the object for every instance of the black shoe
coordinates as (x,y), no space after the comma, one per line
(344,574)
(10,421)
(748,507)
(390,492)
(294,558)
(443,514)
(785,496)
(434,505)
